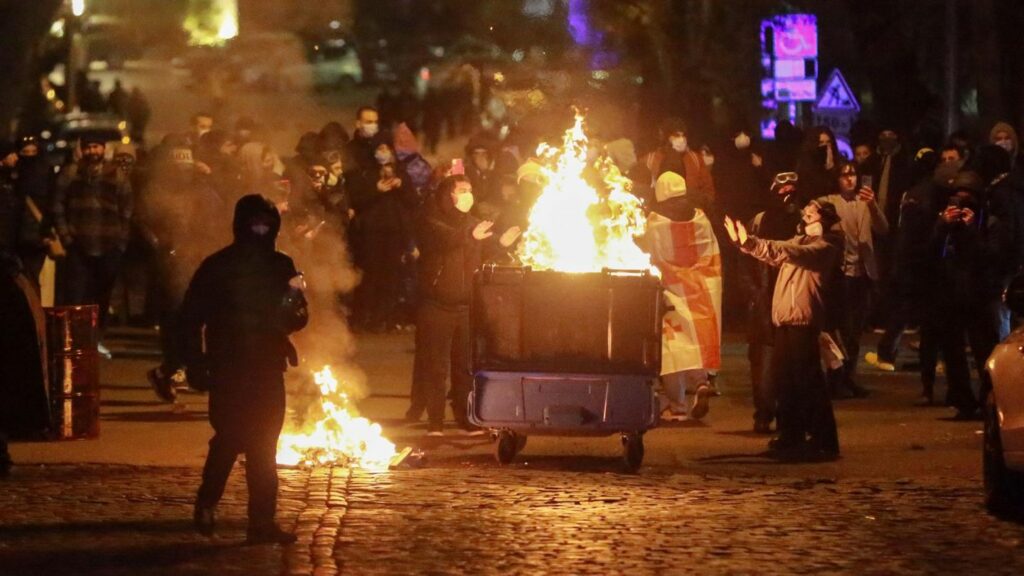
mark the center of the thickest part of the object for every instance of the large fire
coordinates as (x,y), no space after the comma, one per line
(573,226)
(340,436)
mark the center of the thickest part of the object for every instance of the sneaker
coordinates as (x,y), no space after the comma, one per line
(873,359)
(270,534)
(179,381)
(435,431)
(162,386)
(204,520)
(103,351)
(701,402)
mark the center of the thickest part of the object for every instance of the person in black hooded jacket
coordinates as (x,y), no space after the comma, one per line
(452,244)
(239,309)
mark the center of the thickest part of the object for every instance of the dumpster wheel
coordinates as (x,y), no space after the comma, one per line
(633,450)
(506,446)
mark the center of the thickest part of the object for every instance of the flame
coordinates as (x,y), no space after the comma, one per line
(575,228)
(340,436)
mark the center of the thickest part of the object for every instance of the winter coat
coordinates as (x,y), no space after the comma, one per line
(871,222)
(24,409)
(93,210)
(241,295)
(758,278)
(805,264)
(449,255)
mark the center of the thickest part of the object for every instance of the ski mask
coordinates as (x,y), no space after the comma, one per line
(256,221)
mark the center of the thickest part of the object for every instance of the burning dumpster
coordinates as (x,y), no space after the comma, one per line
(568,354)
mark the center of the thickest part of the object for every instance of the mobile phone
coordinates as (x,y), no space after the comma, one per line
(867,181)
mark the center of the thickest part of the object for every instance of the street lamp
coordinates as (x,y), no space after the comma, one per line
(72,27)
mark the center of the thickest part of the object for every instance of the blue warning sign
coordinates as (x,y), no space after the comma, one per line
(836,95)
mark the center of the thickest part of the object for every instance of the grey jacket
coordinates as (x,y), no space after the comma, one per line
(806,263)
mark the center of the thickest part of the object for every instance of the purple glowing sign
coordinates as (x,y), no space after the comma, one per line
(792,36)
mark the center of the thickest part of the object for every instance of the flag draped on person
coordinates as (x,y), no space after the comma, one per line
(687,255)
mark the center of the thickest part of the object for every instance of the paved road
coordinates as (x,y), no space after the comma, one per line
(89,519)
(905,497)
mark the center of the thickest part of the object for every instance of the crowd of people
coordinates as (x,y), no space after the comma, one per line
(900,237)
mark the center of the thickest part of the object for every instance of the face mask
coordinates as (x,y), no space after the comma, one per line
(709,160)
(814,229)
(1005,144)
(383,157)
(742,141)
(464,202)
(369,129)
(332,180)
(260,229)
(678,143)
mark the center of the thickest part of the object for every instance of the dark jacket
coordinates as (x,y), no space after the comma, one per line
(93,210)
(449,255)
(241,295)
(23,403)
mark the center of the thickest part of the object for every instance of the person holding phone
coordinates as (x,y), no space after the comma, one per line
(862,221)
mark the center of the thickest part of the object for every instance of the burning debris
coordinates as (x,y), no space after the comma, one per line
(340,436)
(573,226)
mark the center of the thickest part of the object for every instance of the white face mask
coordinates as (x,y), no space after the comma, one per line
(742,141)
(464,202)
(814,229)
(1005,144)
(369,129)
(678,143)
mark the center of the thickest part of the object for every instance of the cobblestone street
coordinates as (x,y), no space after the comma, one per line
(904,498)
(88,519)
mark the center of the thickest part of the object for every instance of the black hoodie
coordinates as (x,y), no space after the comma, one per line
(241,295)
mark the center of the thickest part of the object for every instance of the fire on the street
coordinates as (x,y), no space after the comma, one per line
(339,437)
(575,228)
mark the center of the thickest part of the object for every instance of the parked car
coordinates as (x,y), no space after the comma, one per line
(1003,452)
(59,141)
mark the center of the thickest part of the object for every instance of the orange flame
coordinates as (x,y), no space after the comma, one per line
(573,228)
(340,436)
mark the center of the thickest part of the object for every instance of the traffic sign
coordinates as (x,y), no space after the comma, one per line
(836,95)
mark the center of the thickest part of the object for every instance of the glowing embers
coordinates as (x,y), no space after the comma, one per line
(573,226)
(340,436)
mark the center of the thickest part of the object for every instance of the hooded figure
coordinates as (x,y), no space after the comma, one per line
(240,307)
(683,247)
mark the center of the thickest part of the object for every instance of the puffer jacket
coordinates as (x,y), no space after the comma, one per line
(806,263)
